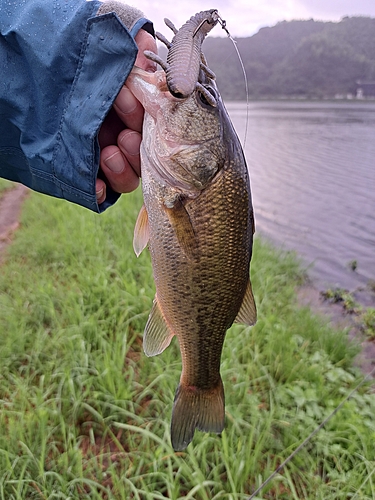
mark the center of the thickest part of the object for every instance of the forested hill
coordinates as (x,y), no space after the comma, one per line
(296,59)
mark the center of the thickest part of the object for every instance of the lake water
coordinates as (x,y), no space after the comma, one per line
(312,170)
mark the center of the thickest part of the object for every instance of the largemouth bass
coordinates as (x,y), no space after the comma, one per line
(197,220)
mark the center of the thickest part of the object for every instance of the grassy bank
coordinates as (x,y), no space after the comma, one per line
(85,415)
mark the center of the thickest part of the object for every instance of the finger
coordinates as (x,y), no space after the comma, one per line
(117,170)
(129,109)
(129,143)
(100,190)
(145,41)
(110,129)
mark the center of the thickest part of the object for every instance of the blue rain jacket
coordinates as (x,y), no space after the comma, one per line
(61,67)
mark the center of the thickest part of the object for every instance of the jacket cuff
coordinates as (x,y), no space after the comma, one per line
(130,16)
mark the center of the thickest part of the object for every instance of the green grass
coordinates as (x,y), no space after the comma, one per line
(85,415)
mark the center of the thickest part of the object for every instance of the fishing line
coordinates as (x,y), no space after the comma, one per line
(315,431)
(224,27)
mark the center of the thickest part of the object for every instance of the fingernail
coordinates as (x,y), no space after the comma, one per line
(131,142)
(99,193)
(115,162)
(125,102)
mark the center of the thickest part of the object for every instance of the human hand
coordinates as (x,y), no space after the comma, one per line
(120,135)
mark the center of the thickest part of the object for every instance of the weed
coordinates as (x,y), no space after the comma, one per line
(353,265)
(365,316)
(368,320)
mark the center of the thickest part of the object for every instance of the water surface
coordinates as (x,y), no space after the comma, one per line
(312,170)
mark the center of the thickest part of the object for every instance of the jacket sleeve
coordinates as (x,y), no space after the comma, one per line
(61,67)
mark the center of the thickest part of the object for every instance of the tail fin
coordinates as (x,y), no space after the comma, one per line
(196,408)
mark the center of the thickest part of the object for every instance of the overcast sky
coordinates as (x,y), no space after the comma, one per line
(246,17)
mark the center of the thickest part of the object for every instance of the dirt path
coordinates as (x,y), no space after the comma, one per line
(10,209)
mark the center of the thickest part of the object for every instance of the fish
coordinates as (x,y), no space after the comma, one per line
(198,223)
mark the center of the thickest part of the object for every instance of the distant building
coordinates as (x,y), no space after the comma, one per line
(365,89)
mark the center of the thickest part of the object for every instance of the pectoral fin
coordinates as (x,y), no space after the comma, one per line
(157,335)
(141,232)
(181,224)
(248,312)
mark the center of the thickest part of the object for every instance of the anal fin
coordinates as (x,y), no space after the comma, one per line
(157,335)
(248,311)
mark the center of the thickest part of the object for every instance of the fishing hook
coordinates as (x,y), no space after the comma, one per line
(223,24)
